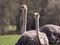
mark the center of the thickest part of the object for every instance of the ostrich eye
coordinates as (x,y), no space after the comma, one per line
(22,7)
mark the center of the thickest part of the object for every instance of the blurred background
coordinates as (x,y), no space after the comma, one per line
(11,18)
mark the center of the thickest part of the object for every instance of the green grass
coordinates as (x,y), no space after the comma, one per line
(8,39)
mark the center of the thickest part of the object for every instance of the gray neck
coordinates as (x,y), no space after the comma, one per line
(37,29)
(24,20)
(37,24)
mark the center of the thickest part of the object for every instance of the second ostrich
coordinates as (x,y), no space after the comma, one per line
(52,32)
(33,37)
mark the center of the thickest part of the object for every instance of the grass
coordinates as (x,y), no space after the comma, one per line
(11,40)
(8,39)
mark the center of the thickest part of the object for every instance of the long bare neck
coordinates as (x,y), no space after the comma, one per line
(37,28)
(24,20)
(37,24)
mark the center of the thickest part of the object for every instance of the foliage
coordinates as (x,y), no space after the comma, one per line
(10,27)
(10,13)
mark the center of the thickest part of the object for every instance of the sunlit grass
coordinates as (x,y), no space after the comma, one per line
(9,39)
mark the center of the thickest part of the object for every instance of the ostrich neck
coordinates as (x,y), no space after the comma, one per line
(24,20)
(37,29)
(37,24)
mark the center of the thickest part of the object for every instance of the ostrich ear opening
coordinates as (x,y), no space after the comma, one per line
(21,7)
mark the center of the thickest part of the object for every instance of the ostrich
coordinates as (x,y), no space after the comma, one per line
(33,37)
(41,36)
(52,32)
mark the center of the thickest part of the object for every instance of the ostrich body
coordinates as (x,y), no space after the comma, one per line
(33,37)
(52,32)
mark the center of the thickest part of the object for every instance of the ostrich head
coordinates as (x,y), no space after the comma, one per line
(23,7)
(36,15)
